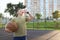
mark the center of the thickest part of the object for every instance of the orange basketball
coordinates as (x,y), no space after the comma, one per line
(12,26)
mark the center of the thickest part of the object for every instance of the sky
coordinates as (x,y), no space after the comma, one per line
(3,4)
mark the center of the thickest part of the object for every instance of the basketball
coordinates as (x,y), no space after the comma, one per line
(12,26)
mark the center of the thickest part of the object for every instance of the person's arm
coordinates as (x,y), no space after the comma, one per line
(30,17)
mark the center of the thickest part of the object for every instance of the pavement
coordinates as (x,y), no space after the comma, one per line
(53,35)
(33,35)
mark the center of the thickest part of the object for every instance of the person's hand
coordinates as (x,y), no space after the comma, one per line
(7,30)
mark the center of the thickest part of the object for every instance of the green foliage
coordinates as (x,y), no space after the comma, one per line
(55,14)
(1,15)
(13,8)
(38,15)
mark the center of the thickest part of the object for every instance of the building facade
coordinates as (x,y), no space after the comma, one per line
(45,7)
(33,6)
(58,4)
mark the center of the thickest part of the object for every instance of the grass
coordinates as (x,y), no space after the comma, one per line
(1,25)
(41,25)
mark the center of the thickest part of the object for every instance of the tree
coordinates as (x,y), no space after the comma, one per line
(1,15)
(38,17)
(13,8)
(55,15)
